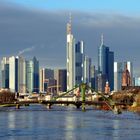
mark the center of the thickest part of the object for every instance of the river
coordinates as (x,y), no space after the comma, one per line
(36,122)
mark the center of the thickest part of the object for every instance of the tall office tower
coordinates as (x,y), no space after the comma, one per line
(70,57)
(118,70)
(5,72)
(60,75)
(93,77)
(29,76)
(21,75)
(79,62)
(101,80)
(36,75)
(130,69)
(87,70)
(32,75)
(41,80)
(13,74)
(106,64)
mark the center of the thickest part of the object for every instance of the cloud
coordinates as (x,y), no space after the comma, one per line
(20,27)
(26,50)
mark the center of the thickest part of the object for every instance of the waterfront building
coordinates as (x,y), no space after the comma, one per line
(21,75)
(13,73)
(106,64)
(5,72)
(60,75)
(118,70)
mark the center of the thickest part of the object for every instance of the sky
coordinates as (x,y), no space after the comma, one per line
(38,28)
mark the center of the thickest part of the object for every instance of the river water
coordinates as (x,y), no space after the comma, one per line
(36,122)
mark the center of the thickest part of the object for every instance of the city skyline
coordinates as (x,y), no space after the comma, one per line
(25,29)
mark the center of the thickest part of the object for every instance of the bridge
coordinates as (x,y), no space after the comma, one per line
(112,105)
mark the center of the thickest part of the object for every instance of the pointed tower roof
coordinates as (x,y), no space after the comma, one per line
(102,39)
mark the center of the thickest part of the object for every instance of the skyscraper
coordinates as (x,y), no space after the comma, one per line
(13,74)
(29,76)
(5,72)
(79,62)
(70,58)
(21,75)
(61,80)
(32,75)
(118,70)
(87,70)
(41,80)
(106,64)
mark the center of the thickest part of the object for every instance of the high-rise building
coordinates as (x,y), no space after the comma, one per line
(93,77)
(32,75)
(13,74)
(61,80)
(70,57)
(79,62)
(106,64)
(87,70)
(41,80)
(29,76)
(21,75)
(118,70)
(5,72)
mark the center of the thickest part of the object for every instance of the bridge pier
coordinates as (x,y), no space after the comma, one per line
(49,106)
(116,110)
(17,106)
(83,90)
(83,107)
(78,106)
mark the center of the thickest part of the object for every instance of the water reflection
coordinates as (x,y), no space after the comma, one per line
(11,120)
(62,123)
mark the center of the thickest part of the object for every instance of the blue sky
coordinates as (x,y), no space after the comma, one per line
(121,6)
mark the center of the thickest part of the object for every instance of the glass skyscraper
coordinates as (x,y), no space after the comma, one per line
(105,65)
(32,75)
(5,72)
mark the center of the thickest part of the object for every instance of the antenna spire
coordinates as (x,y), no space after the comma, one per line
(102,38)
(69,24)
